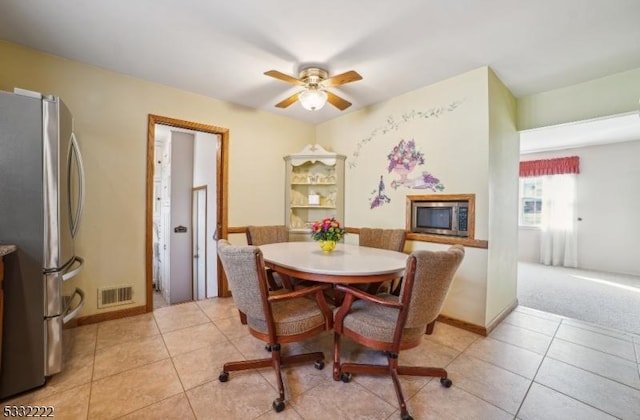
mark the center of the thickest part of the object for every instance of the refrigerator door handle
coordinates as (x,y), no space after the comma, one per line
(69,274)
(72,313)
(75,151)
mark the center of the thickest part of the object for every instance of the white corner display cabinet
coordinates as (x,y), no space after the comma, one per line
(314,189)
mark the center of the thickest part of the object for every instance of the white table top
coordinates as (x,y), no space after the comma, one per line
(345,260)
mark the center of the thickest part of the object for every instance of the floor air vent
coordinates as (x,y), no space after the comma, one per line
(113,296)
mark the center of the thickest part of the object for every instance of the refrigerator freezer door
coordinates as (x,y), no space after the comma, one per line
(52,294)
(53,345)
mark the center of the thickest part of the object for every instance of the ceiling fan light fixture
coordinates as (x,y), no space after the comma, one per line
(312,99)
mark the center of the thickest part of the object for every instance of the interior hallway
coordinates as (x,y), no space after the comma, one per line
(165,364)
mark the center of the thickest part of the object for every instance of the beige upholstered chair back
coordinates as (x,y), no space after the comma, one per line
(244,268)
(392,239)
(433,275)
(262,235)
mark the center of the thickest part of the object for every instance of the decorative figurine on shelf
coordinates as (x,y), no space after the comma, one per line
(297,198)
(296,222)
(327,231)
(331,198)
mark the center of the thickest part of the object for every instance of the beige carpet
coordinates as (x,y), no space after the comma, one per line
(606,299)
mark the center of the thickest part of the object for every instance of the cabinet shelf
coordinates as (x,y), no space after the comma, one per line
(311,206)
(314,184)
(318,173)
(300,230)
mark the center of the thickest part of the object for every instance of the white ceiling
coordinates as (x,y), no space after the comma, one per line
(220,48)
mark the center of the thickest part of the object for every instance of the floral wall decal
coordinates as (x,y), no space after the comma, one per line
(378,196)
(403,159)
(392,124)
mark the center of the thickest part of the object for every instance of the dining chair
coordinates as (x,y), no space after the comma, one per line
(393,323)
(262,235)
(275,317)
(392,239)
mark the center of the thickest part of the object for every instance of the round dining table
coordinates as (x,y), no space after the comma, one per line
(346,264)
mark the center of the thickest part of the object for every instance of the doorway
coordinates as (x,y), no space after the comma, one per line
(217,198)
(607,276)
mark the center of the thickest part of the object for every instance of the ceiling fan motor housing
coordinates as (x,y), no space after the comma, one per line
(312,76)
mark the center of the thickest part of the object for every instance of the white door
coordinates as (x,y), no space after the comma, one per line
(181,277)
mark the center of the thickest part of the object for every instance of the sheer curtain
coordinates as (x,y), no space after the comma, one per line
(559,236)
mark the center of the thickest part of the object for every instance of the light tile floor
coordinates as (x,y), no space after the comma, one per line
(534,365)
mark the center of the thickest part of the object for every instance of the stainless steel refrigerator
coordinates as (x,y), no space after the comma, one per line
(41,197)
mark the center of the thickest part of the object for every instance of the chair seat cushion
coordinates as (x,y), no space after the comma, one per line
(291,317)
(378,322)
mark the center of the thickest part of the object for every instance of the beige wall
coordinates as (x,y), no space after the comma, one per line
(611,95)
(504,153)
(110,112)
(469,148)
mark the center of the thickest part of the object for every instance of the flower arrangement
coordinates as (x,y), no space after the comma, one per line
(327,229)
(405,155)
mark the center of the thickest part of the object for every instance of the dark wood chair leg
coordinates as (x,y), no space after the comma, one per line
(243,317)
(336,356)
(429,329)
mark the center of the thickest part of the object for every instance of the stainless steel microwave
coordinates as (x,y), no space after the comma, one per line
(448,218)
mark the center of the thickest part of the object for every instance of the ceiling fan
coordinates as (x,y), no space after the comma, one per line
(315,94)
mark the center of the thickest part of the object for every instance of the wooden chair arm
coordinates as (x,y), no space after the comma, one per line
(351,294)
(360,294)
(299,293)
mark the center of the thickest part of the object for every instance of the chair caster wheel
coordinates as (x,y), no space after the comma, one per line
(278,405)
(319,364)
(267,347)
(345,377)
(224,377)
(446,382)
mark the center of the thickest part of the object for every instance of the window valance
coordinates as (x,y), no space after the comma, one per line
(557,166)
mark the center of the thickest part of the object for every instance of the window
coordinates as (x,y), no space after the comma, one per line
(530,207)
(534,177)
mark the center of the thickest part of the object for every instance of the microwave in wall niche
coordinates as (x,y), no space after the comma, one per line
(448,218)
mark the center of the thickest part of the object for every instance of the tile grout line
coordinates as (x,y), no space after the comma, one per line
(184,391)
(533,380)
(577,367)
(489,363)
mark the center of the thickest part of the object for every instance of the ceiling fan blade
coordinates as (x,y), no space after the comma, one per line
(337,101)
(284,77)
(286,102)
(341,79)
